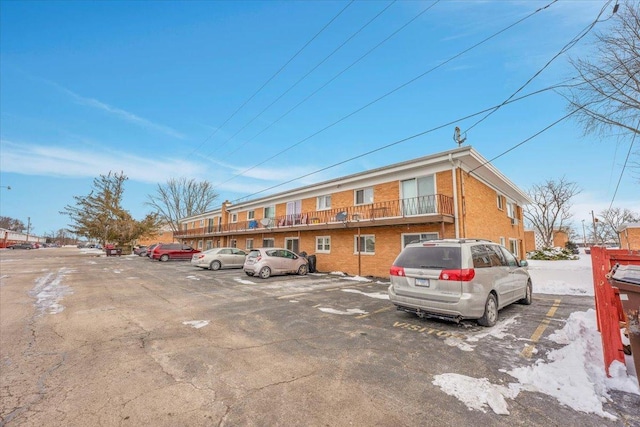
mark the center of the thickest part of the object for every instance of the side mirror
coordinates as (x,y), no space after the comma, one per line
(524,263)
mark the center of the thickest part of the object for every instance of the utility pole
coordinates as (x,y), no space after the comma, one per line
(28,227)
(584,235)
(594,221)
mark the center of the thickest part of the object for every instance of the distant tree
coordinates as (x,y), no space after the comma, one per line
(607,95)
(100,215)
(12,224)
(609,220)
(181,198)
(551,207)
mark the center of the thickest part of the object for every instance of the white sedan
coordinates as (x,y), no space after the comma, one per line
(217,258)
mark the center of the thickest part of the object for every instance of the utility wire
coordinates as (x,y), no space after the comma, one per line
(336,76)
(307,74)
(633,140)
(273,76)
(564,49)
(395,143)
(389,93)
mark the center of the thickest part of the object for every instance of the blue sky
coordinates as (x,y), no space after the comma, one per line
(248,95)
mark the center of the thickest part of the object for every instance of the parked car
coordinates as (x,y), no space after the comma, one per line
(455,279)
(25,245)
(266,262)
(217,258)
(169,251)
(150,249)
(140,250)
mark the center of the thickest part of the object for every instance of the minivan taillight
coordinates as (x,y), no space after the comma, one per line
(461,275)
(396,271)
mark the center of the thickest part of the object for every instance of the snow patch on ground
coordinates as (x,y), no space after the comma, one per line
(348,312)
(197,324)
(49,291)
(377,295)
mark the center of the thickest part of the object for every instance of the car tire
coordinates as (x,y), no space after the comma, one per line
(215,265)
(164,258)
(303,270)
(490,316)
(248,273)
(528,295)
(265,272)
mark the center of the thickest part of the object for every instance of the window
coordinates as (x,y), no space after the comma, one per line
(510,259)
(202,223)
(500,200)
(209,245)
(200,244)
(249,244)
(268,243)
(233,243)
(323,202)
(513,246)
(511,210)
(251,214)
(323,244)
(364,196)
(415,238)
(366,244)
(270,212)
(502,241)
(418,195)
(234,217)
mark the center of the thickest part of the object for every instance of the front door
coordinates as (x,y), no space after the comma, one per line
(293,244)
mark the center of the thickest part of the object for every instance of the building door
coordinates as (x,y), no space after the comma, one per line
(293,244)
(294,209)
(418,195)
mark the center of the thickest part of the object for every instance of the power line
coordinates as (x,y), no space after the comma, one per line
(389,93)
(624,166)
(337,75)
(273,76)
(308,73)
(564,49)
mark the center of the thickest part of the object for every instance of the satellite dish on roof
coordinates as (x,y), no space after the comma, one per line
(265,222)
(341,216)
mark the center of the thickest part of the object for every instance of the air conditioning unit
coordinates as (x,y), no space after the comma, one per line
(514,221)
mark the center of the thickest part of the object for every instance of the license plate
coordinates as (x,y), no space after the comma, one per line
(423,282)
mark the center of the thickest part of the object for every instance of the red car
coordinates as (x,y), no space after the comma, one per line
(168,251)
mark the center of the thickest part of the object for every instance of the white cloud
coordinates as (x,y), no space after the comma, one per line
(125,115)
(31,159)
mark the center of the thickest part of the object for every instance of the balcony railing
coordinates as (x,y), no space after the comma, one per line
(437,204)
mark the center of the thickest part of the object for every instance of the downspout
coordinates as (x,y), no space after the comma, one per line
(455,196)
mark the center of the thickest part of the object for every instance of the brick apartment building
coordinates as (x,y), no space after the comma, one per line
(358,224)
(629,234)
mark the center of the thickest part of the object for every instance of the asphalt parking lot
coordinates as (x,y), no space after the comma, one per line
(94,340)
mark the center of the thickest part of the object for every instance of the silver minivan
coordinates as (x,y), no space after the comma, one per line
(457,279)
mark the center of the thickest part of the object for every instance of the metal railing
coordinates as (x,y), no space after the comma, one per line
(437,204)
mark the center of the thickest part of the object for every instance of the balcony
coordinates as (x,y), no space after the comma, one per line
(436,208)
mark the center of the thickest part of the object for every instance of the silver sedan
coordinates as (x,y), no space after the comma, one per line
(217,258)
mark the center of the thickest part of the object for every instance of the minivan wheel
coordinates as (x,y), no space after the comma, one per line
(303,269)
(164,258)
(490,316)
(528,298)
(215,265)
(265,272)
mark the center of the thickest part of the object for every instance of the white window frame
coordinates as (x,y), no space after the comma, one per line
(323,202)
(364,250)
(323,244)
(234,217)
(251,215)
(426,235)
(513,247)
(269,239)
(367,196)
(500,201)
(202,223)
(270,208)
(249,244)
(511,210)
(503,242)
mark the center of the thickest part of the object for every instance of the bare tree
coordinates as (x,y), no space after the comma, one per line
(607,97)
(610,220)
(550,210)
(180,198)
(12,224)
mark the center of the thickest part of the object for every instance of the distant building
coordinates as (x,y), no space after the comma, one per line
(629,234)
(8,237)
(534,241)
(164,235)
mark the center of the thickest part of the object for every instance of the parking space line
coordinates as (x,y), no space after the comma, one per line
(362,316)
(537,334)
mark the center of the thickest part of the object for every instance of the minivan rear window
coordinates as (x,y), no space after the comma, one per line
(436,257)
